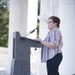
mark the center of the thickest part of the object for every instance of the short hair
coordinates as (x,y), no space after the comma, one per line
(55,20)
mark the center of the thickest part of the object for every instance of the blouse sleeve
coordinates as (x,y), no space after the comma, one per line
(55,38)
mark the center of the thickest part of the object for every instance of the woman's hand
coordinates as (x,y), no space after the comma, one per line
(38,39)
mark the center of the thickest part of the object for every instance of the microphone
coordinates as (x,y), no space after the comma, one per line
(32,31)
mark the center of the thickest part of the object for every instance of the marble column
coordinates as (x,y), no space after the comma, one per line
(23,18)
(17,22)
(67,15)
(48,8)
(45,6)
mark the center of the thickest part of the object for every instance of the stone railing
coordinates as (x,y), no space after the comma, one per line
(3,61)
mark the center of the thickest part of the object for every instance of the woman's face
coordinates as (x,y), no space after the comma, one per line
(50,24)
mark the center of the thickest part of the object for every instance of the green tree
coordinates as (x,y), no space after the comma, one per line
(4,21)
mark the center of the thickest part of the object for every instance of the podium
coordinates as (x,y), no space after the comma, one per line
(21,54)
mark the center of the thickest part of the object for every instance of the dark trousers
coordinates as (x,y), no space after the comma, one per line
(53,64)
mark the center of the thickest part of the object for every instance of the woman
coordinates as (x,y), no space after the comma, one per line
(51,52)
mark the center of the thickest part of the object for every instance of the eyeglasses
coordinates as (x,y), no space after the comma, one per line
(49,22)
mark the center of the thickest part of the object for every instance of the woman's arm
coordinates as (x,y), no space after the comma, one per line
(48,44)
(54,40)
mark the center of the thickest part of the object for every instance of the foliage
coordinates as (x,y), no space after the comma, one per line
(4,21)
